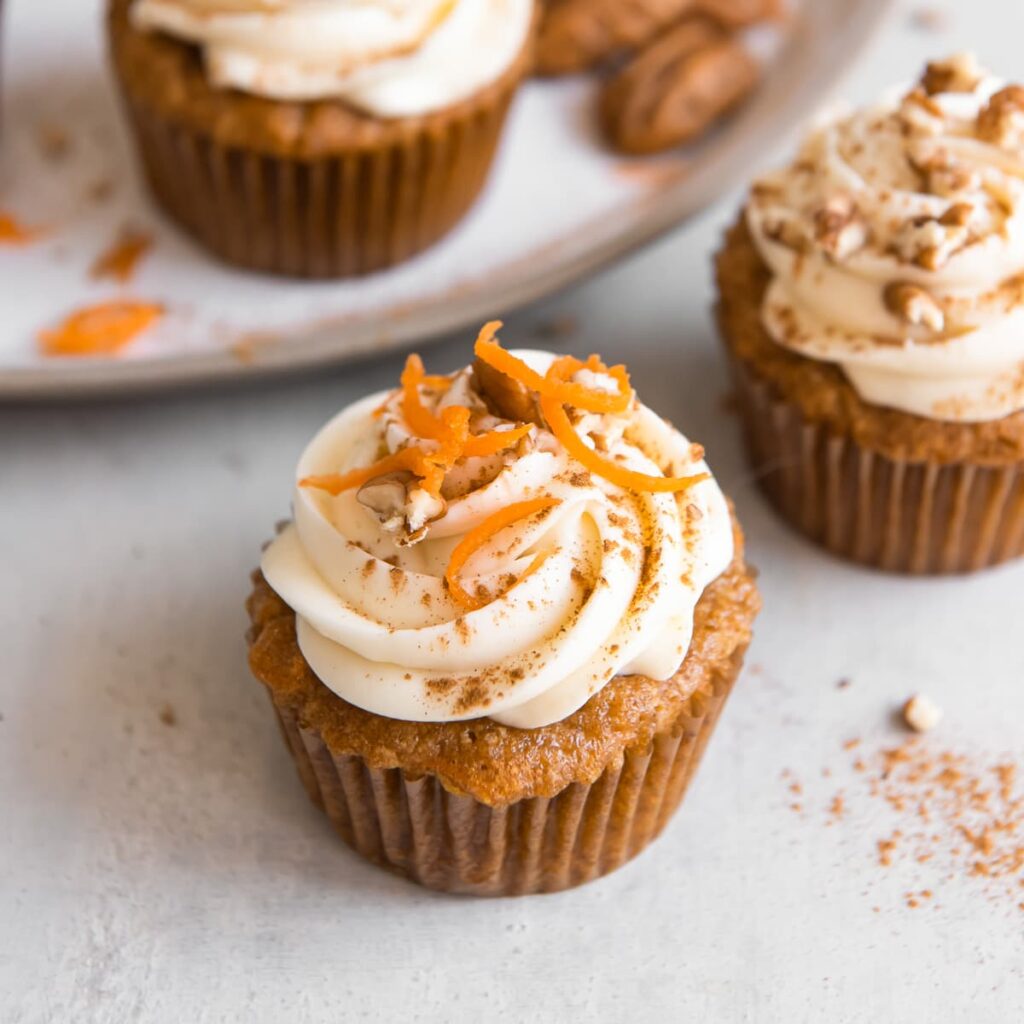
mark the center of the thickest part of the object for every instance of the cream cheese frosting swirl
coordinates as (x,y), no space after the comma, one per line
(389,58)
(601,581)
(896,245)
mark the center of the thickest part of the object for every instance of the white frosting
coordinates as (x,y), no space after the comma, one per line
(390,58)
(896,241)
(616,595)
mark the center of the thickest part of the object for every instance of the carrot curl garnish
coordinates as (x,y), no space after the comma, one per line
(480,535)
(567,392)
(410,460)
(429,465)
(420,420)
(560,425)
(100,330)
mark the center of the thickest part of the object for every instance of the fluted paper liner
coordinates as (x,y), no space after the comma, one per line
(416,827)
(346,214)
(899,516)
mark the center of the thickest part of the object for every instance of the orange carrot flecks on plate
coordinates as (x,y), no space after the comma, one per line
(122,259)
(100,330)
(13,232)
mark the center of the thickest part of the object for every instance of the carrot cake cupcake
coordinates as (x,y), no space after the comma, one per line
(502,624)
(872,302)
(318,139)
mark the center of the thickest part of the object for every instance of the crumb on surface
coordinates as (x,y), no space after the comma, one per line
(168,715)
(921,714)
(928,18)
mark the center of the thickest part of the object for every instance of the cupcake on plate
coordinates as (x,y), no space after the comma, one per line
(502,624)
(872,302)
(319,139)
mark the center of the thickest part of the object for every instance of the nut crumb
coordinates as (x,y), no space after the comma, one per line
(54,143)
(921,714)
(929,19)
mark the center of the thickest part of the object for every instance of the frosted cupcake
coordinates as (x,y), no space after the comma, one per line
(318,139)
(871,300)
(502,624)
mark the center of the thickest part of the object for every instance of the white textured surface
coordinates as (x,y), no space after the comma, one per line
(178,874)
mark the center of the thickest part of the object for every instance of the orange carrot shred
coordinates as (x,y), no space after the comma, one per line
(408,459)
(122,259)
(429,466)
(479,536)
(13,232)
(495,441)
(569,393)
(100,330)
(421,421)
(560,425)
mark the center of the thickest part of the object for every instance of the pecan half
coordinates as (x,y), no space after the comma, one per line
(504,396)
(675,89)
(579,34)
(738,13)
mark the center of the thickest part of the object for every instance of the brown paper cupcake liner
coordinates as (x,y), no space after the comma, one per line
(909,517)
(347,214)
(413,825)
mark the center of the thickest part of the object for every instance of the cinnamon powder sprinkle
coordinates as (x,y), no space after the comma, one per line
(960,814)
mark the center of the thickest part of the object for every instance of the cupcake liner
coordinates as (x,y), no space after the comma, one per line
(348,214)
(921,518)
(413,825)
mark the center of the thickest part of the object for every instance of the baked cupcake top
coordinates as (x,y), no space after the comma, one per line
(389,58)
(896,244)
(499,542)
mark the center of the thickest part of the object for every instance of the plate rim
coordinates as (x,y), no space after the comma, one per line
(801,83)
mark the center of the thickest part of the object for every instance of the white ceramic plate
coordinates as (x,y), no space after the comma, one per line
(558,208)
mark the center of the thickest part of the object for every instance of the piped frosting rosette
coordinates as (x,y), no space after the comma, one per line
(478,544)
(896,244)
(392,58)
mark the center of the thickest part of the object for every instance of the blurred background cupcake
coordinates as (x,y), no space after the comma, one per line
(872,301)
(318,140)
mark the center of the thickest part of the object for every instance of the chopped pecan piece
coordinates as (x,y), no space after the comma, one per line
(943,175)
(957,216)
(674,90)
(1002,120)
(919,114)
(959,73)
(401,506)
(914,305)
(930,242)
(579,34)
(839,229)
